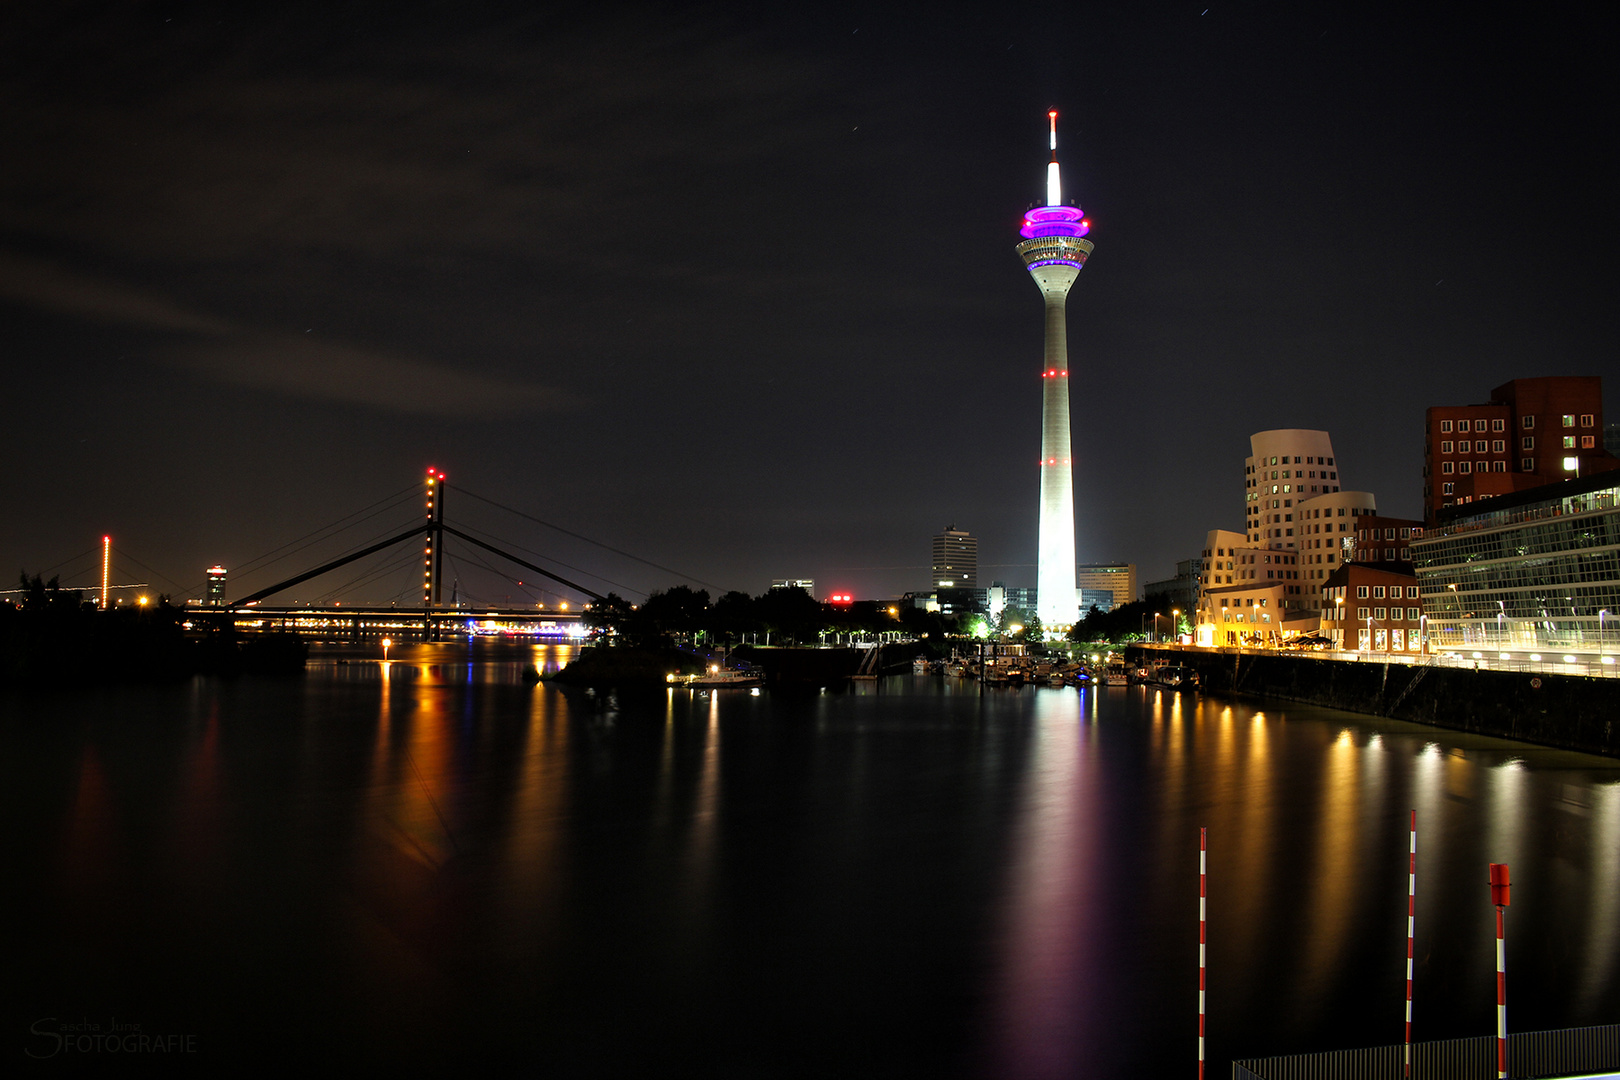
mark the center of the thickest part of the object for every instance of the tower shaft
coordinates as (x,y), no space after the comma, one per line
(1056,603)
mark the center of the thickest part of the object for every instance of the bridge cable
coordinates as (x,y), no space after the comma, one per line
(508,556)
(588,540)
(396,497)
(559,562)
(64,562)
(333,565)
(353,547)
(511,580)
(381,569)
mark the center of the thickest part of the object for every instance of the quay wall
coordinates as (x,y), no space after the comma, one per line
(1570,711)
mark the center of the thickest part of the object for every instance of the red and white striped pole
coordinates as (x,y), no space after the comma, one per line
(1201,896)
(1411,911)
(1499,897)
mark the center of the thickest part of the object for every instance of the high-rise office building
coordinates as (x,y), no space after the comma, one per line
(1108,585)
(1054,249)
(955,560)
(216,587)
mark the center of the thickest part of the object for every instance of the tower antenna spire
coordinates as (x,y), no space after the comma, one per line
(1054,184)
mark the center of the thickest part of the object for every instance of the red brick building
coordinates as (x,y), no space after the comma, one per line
(1375,608)
(1382,539)
(1521,438)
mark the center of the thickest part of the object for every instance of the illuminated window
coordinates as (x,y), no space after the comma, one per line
(1569,442)
(1569,420)
(1587,442)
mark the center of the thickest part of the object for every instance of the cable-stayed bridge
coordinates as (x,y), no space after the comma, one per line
(539,594)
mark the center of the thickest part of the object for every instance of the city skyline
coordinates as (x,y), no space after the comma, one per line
(258,273)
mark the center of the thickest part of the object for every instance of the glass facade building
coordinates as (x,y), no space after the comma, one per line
(1535,572)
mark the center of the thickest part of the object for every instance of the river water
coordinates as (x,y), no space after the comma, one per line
(434,864)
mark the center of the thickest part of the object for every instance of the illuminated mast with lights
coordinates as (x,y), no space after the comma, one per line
(1054,250)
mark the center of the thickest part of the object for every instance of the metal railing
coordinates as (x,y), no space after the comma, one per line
(1568,1052)
(1586,664)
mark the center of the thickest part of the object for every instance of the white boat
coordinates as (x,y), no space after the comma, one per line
(718,678)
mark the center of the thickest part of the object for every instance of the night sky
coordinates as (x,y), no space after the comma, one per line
(733,288)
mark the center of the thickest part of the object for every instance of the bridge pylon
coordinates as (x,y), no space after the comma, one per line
(433,550)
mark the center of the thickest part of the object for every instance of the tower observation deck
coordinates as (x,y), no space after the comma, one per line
(1054,250)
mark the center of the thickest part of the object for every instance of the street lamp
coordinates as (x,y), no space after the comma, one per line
(1175,624)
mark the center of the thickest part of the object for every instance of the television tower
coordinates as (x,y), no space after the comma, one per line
(1054,250)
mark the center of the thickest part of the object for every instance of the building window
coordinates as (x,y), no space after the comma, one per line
(1527,464)
(1498,466)
(1527,443)
(1414,614)
(1479,447)
(1569,442)
(1586,442)
(1462,425)
(1445,446)
(1361,612)
(1361,592)
(1586,419)
(1411,592)
(1569,420)
(1447,467)
(1445,427)
(1378,594)
(1497,425)
(1464,467)
(1528,422)
(1381,614)
(1499,446)
(1447,489)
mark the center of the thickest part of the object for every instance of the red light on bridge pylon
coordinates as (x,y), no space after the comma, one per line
(841,598)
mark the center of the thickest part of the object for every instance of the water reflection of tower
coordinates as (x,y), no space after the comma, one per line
(1054,250)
